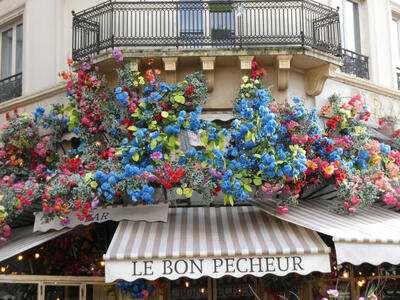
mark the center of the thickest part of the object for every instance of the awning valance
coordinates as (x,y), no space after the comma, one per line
(372,235)
(24,238)
(140,212)
(207,241)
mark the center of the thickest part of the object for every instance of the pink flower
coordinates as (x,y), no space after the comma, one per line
(156,155)
(352,209)
(283,209)
(355,200)
(291,124)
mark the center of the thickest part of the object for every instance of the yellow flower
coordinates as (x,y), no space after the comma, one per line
(188,192)
(329,170)
(245,79)
(88,176)
(93,184)
(302,151)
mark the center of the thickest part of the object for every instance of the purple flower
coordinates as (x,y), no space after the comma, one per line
(156,155)
(118,55)
(95,203)
(151,177)
(65,222)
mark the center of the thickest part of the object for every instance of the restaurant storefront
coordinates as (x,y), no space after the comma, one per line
(200,253)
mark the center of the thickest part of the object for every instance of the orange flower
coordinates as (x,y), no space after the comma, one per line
(70,62)
(312,164)
(325,110)
(329,170)
(157,71)
(376,158)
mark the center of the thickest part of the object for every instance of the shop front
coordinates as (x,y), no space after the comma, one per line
(207,253)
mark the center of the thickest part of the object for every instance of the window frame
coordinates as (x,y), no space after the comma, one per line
(395,17)
(12,26)
(357,42)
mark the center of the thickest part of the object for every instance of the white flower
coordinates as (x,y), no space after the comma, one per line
(333,293)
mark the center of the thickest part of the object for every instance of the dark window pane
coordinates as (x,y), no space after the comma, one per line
(6,53)
(18,56)
(18,291)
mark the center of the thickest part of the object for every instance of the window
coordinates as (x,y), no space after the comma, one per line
(11,62)
(395,37)
(11,51)
(351,26)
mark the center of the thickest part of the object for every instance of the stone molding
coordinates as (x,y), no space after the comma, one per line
(316,77)
(283,70)
(12,15)
(32,98)
(134,64)
(366,85)
(245,64)
(208,64)
(170,64)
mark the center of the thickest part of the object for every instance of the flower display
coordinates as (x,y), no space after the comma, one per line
(129,148)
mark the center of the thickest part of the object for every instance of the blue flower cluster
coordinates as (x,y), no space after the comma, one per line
(233,186)
(145,194)
(135,288)
(121,96)
(362,160)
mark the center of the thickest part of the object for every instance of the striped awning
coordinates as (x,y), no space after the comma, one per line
(372,235)
(209,241)
(24,238)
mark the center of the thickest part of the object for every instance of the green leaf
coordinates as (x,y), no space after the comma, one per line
(248,137)
(135,157)
(164,114)
(230,199)
(226,199)
(132,128)
(153,144)
(143,105)
(180,99)
(257,181)
(204,138)
(136,113)
(248,188)
(221,142)
(171,141)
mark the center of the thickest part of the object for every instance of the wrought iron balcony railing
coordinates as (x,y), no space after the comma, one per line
(206,24)
(10,87)
(355,64)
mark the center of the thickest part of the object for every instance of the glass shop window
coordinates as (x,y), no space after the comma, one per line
(18,291)
(235,288)
(188,289)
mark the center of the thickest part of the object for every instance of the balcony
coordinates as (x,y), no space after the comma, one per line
(209,24)
(355,64)
(10,87)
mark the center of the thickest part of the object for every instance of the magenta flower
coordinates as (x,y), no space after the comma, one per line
(156,155)
(118,55)
(65,222)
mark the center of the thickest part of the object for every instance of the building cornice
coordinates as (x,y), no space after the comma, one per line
(32,98)
(366,85)
(11,15)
